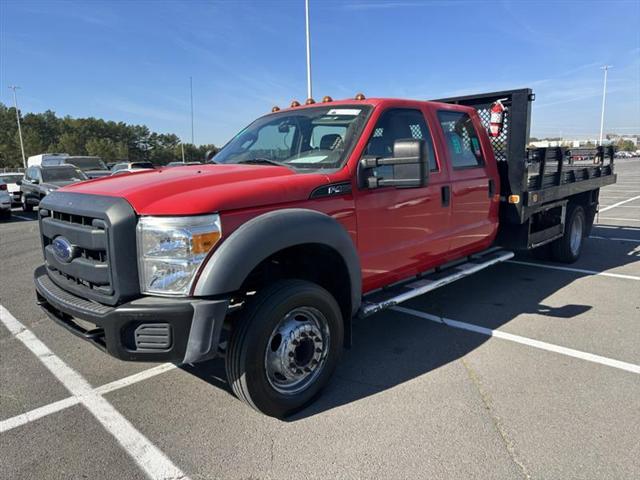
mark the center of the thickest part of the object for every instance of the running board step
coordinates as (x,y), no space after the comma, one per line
(431,280)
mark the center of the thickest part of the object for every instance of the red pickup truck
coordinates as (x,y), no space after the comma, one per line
(308,218)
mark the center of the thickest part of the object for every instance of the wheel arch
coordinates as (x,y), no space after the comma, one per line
(294,231)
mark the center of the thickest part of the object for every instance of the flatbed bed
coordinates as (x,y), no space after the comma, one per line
(537,181)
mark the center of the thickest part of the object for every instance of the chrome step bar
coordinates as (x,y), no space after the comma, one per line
(433,279)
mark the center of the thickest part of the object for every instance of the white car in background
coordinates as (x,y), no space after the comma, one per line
(5,202)
(11,179)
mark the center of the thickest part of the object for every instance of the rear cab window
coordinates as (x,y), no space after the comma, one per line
(461,139)
(397,124)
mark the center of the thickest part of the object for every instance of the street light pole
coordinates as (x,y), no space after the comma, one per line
(306,11)
(604,96)
(191,95)
(15,102)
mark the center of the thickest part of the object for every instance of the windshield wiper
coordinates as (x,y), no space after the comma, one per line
(264,161)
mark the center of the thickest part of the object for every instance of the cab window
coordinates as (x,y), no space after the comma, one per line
(461,138)
(398,124)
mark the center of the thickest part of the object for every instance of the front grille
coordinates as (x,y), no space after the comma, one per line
(89,269)
(99,231)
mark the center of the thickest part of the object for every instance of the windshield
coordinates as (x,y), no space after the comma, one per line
(62,174)
(87,163)
(10,178)
(310,138)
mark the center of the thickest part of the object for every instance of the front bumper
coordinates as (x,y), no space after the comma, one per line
(149,329)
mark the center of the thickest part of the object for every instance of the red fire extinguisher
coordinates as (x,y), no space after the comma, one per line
(496,121)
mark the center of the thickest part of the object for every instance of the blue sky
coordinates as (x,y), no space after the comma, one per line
(130,60)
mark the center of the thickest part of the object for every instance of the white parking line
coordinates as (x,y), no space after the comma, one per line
(577,270)
(619,203)
(633,240)
(54,407)
(37,413)
(147,456)
(619,227)
(550,347)
(618,219)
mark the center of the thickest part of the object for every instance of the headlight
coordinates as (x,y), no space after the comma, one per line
(171,249)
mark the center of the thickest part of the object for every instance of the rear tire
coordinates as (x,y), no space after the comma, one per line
(567,248)
(25,206)
(284,347)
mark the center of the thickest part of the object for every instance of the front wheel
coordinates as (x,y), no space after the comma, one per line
(567,248)
(284,347)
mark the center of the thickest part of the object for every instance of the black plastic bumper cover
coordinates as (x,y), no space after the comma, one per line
(195,324)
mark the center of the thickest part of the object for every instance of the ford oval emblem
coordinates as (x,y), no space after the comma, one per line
(63,249)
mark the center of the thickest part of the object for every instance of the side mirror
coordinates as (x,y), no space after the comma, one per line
(19,182)
(407,168)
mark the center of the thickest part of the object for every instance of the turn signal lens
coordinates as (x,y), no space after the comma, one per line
(326,99)
(203,242)
(514,199)
(275,109)
(360,96)
(295,104)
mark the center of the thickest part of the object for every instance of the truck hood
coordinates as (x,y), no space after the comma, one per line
(198,189)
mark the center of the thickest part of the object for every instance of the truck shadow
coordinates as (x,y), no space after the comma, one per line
(392,348)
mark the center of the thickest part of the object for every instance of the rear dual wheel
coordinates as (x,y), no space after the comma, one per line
(284,347)
(566,249)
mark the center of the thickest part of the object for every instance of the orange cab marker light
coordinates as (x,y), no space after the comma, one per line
(275,109)
(295,104)
(326,99)
(360,96)
(203,242)
(514,199)
(310,101)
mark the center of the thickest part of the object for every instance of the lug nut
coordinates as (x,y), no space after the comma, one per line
(307,369)
(291,354)
(318,350)
(314,362)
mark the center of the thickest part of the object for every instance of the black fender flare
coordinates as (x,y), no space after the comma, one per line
(262,236)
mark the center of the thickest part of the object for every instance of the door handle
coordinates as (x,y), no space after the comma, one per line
(445,195)
(492,188)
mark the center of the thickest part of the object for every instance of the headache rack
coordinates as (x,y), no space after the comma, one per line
(538,176)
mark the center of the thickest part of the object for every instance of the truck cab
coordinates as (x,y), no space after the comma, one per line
(309,217)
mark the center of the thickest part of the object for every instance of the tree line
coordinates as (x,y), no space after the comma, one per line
(112,141)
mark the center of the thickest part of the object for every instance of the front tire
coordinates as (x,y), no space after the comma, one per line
(284,347)
(567,248)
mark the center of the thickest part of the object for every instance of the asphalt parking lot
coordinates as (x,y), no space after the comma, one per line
(524,370)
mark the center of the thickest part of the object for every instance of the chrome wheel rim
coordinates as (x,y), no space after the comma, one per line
(297,350)
(576,234)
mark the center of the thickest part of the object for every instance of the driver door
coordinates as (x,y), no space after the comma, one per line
(401,231)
